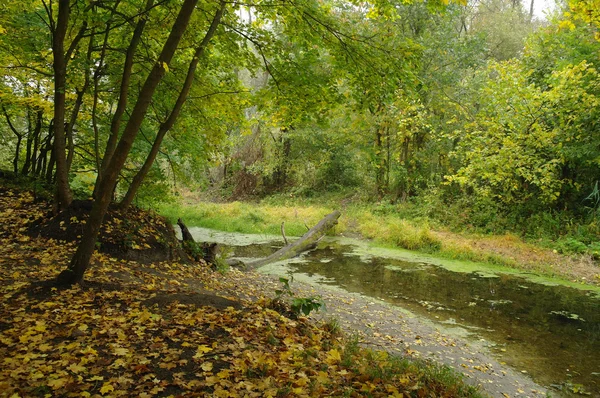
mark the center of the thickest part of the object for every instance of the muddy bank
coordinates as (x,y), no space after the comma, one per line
(385,327)
(472,317)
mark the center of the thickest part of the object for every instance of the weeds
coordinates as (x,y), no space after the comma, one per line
(298,305)
(380,365)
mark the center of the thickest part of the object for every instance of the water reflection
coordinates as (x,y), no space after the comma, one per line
(552,332)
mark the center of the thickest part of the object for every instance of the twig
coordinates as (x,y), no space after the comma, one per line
(283,232)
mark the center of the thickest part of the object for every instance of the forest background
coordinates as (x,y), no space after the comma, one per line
(473,117)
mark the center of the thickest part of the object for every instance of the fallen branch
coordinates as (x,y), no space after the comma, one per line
(308,241)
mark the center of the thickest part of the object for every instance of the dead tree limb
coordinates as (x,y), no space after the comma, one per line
(308,241)
(283,233)
(198,251)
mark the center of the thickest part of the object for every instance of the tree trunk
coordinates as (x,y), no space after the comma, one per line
(63,191)
(19,140)
(115,124)
(379,162)
(198,251)
(306,242)
(107,183)
(32,140)
(531,11)
(98,72)
(168,124)
(43,157)
(70,126)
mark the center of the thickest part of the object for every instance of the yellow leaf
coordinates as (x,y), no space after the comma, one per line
(83,327)
(75,368)
(207,366)
(165,67)
(44,347)
(57,383)
(106,388)
(121,351)
(323,377)
(223,374)
(2,30)
(211,381)
(89,350)
(333,356)
(40,326)
(201,350)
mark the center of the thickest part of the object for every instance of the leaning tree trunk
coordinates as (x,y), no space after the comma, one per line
(115,124)
(19,140)
(198,251)
(106,185)
(63,191)
(306,242)
(168,124)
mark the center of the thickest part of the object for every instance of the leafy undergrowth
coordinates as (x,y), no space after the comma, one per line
(131,234)
(159,329)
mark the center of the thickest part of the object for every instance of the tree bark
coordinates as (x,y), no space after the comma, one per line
(63,191)
(168,124)
(115,124)
(107,183)
(306,242)
(19,140)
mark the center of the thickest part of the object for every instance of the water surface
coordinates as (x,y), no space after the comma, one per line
(550,331)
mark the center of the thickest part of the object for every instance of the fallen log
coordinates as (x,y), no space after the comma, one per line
(308,241)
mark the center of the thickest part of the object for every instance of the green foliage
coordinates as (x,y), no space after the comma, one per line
(298,305)
(82,184)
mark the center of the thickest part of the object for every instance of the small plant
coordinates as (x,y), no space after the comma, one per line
(221,264)
(298,305)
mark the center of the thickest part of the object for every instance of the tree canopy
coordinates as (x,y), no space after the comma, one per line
(478,104)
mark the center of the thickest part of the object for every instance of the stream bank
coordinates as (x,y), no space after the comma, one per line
(389,230)
(484,322)
(381,326)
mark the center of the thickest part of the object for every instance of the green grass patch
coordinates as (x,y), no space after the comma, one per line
(247,218)
(383,224)
(413,374)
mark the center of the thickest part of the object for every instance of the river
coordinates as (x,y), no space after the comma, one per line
(533,324)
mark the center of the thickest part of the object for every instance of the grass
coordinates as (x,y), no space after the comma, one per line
(246,217)
(380,365)
(386,226)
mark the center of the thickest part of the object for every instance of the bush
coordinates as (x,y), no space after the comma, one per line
(570,245)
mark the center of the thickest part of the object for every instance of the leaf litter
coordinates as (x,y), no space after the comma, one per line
(168,329)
